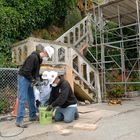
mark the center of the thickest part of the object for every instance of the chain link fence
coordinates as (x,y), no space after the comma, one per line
(8,89)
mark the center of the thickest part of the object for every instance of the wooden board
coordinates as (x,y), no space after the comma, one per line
(81,94)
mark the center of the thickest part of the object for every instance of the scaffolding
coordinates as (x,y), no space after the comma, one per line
(116,47)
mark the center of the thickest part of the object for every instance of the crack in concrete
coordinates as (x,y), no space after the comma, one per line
(121,113)
(127,111)
(37,135)
(98,120)
(121,136)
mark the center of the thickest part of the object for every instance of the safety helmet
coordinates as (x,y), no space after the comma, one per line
(45,75)
(49,50)
(52,76)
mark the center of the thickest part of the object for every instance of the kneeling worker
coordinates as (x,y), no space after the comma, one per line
(63,98)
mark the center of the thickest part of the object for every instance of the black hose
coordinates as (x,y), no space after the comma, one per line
(9,118)
(6,136)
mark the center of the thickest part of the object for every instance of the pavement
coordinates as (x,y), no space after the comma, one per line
(96,122)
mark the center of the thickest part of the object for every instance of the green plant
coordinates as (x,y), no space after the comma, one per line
(5,61)
(136,87)
(19,18)
(130,88)
(73,16)
(46,35)
(9,27)
(4,105)
(92,52)
(115,91)
(60,8)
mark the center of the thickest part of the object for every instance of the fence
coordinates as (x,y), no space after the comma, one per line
(8,89)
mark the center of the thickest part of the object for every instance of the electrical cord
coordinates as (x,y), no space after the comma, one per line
(6,136)
(10,119)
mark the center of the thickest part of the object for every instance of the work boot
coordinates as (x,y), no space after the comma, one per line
(38,103)
(21,125)
(34,119)
(76,116)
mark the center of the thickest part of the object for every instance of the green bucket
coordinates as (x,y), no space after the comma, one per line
(45,117)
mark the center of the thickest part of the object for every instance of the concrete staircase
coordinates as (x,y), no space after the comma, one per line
(86,77)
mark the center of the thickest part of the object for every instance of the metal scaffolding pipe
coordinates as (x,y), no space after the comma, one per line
(124,42)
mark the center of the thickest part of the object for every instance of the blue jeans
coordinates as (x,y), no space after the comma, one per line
(25,91)
(67,114)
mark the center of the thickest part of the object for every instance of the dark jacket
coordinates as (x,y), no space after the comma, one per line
(62,95)
(31,66)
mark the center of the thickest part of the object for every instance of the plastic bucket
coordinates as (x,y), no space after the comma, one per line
(45,117)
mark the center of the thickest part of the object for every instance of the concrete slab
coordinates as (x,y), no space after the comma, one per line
(85,126)
(118,122)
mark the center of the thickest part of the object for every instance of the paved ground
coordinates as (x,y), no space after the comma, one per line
(116,122)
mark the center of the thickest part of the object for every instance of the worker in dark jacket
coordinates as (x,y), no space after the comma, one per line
(27,76)
(63,98)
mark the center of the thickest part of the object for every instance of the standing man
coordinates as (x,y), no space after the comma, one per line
(63,98)
(27,76)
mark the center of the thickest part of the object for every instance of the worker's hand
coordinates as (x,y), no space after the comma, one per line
(34,82)
(38,103)
(49,108)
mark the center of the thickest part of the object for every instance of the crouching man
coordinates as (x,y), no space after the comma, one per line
(63,98)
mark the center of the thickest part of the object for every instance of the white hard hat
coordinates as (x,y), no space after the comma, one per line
(52,76)
(49,50)
(45,75)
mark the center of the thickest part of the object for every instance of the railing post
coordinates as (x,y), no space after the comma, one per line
(69,76)
(74,35)
(88,74)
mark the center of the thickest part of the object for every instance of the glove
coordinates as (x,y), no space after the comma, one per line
(34,82)
(38,103)
(49,108)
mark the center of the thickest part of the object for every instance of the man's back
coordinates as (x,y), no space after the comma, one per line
(62,95)
(31,66)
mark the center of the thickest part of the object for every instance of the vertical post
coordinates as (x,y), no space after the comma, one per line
(102,53)
(68,35)
(95,18)
(97,86)
(69,65)
(79,33)
(88,73)
(122,50)
(89,30)
(138,18)
(69,76)
(74,35)
(84,26)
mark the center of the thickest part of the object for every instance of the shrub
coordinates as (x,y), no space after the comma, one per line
(115,91)
(72,18)
(9,30)
(19,18)
(4,106)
